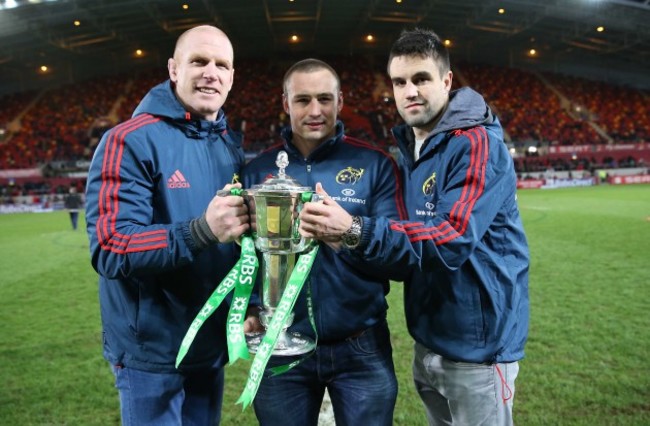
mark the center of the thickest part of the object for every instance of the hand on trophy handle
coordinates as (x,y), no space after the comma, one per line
(252,322)
(325,221)
(227,216)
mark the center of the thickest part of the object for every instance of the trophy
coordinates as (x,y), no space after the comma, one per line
(274,206)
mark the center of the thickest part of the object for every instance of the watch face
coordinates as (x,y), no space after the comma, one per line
(352,236)
(351,240)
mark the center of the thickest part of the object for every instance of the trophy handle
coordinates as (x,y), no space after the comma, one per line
(233,191)
(310,196)
(305,197)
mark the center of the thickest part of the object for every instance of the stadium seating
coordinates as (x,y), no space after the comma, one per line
(64,124)
(622,112)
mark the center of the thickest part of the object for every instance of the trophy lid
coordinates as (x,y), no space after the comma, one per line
(280,182)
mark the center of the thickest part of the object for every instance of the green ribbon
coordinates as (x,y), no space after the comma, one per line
(276,371)
(242,278)
(280,316)
(237,347)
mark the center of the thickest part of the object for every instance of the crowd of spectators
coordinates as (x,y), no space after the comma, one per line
(621,112)
(64,124)
(13,105)
(58,125)
(528,109)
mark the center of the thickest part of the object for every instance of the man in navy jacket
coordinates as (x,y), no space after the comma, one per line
(353,358)
(162,241)
(464,251)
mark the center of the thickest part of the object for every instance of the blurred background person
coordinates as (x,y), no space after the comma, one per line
(72,203)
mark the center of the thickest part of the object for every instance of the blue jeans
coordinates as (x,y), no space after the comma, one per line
(462,393)
(74,219)
(169,399)
(358,373)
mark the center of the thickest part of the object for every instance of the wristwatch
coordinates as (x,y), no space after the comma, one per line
(352,236)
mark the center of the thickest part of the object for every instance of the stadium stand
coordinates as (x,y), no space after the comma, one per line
(621,112)
(53,132)
(530,110)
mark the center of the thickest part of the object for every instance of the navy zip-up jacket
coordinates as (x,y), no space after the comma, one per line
(466,297)
(348,295)
(150,176)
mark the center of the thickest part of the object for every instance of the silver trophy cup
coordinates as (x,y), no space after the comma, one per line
(274,206)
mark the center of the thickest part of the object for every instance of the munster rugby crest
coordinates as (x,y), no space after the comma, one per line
(429,185)
(349,176)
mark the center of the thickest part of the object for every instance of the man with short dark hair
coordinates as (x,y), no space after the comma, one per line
(464,252)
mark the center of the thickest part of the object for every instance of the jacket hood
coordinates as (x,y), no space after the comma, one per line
(161,101)
(466,109)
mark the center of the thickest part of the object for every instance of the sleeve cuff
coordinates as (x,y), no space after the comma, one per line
(368,224)
(201,233)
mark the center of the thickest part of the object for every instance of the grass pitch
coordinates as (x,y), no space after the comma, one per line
(586,359)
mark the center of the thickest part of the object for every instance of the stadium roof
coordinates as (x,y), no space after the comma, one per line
(79,38)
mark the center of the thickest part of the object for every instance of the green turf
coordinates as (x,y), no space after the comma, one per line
(586,360)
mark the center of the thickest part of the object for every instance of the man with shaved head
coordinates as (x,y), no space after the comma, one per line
(199,50)
(161,241)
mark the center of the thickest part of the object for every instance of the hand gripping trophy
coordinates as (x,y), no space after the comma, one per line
(287,257)
(274,206)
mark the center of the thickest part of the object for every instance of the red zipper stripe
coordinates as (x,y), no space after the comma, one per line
(460,214)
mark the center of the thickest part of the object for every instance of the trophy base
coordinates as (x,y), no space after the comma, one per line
(288,344)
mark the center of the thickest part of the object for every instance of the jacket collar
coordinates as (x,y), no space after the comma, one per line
(320,151)
(161,101)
